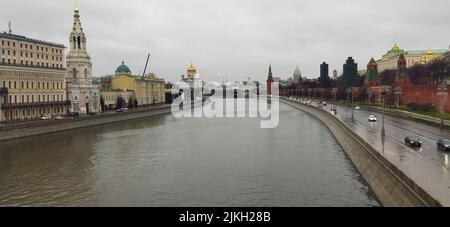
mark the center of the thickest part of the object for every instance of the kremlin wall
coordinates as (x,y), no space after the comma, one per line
(369,83)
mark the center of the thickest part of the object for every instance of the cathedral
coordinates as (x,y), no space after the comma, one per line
(84,97)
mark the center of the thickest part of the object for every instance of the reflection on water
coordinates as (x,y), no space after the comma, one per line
(165,161)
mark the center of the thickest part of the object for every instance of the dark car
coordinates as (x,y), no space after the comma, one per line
(92,113)
(443,144)
(413,142)
(74,114)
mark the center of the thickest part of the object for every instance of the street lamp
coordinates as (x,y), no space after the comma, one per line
(398,92)
(443,94)
(369,93)
(383,93)
(350,91)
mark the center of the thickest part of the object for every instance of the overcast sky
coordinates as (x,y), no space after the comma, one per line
(234,38)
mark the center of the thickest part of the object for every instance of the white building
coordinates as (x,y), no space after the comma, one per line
(84,97)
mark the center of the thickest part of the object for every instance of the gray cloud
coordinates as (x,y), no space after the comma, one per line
(235,38)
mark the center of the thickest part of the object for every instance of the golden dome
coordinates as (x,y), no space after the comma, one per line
(191,68)
(430,52)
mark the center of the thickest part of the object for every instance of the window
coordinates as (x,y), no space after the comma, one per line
(4,83)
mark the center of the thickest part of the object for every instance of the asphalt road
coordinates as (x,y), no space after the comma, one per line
(427,166)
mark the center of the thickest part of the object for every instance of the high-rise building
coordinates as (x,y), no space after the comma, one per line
(297,76)
(83,95)
(32,78)
(350,74)
(324,79)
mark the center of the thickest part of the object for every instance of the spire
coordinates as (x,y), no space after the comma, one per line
(9,27)
(75,9)
(270,69)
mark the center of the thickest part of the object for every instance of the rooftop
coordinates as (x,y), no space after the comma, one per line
(15,37)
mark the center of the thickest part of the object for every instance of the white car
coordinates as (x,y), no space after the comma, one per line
(46,117)
(59,118)
(372,118)
(357,108)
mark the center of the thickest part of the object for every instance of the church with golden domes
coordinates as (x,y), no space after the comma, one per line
(413,57)
(191,74)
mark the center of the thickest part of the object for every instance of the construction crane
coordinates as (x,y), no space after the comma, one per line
(146,64)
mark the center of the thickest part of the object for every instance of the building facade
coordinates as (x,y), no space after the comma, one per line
(112,97)
(297,76)
(32,78)
(83,95)
(269,81)
(146,90)
(350,74)
(413,57)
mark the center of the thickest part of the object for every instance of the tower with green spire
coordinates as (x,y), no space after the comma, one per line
(269,80)
(372,75)
(401,77)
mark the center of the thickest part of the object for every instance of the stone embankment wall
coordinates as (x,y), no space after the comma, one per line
(392,187)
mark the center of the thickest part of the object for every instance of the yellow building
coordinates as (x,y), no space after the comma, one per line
(111,97)
(147,90)
(32,78)
(413,57)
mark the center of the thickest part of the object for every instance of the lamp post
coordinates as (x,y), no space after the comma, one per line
(369,93)
(335,90)
(443,94)
(383,94)
(350,92)
(398,92)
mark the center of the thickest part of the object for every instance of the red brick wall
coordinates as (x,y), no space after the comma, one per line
(422,95)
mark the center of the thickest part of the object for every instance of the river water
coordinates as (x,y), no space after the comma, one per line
(164,161)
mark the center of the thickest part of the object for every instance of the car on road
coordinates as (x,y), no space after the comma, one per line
(92,113)
(413,142)
(46,117)
(324,104)
(59,118)
(73,114)
(443,144)
(372,118)
(357,108)
(121,110)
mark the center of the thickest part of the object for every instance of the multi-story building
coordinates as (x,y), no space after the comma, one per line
(146,90)
(297,76)
(32,78)
(413,57)
(82,94)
